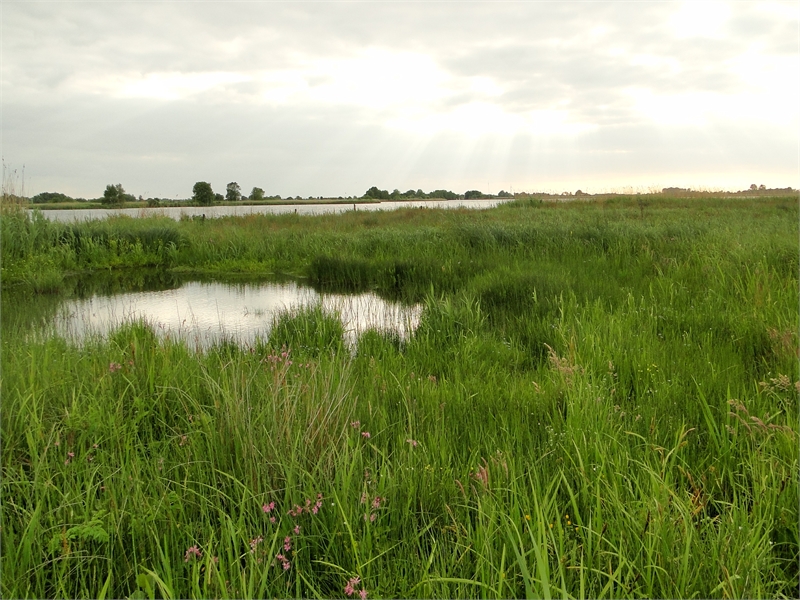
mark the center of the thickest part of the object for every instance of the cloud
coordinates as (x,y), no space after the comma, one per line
(329,97)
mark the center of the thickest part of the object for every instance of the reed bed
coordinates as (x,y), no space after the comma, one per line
(600,400)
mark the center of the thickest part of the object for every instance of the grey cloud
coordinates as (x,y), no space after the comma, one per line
(542,54)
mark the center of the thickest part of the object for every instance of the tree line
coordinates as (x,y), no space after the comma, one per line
(203,194)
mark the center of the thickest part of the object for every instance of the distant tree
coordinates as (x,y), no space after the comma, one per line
(114,194)
(395,194)
(257,194)
(469,195)
(233,193)
(219,197)
(762,187)
(420,194)
(376,194)
(48,197)
(202,193)
(446,194)
(409,194)
(753,187)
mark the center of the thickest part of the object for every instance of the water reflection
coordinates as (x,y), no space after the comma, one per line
(202,313)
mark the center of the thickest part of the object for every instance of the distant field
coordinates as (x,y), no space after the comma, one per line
(601,400)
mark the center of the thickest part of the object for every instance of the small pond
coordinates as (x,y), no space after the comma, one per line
(204,312)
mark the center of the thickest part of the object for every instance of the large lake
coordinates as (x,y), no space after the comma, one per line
(176,212)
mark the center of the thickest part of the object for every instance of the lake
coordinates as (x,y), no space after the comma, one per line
(176,212)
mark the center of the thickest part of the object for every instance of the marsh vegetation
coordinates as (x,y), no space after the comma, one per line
(599,400)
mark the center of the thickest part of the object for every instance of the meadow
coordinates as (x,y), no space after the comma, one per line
(601,400)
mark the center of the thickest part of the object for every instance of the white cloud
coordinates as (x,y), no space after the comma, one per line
(288,92)
(700,18)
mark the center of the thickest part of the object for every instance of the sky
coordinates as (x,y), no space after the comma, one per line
(331,98)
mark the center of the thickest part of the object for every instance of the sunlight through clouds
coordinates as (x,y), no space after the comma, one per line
(705,18)
(307,98)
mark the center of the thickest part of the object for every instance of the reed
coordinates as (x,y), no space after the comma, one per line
(598,401)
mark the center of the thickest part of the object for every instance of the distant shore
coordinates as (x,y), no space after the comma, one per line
(162,203)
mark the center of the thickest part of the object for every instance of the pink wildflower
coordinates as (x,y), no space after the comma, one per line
(272,519)
(114,367)
(286,565)
(363,497)
(355,424)
(412,442)
(255,542)
(287,543)
(350,588)
(365,434)
(362,594)
(297,529)
(192,551)
(267,508)
(376,503)
(372,518)
(70,456)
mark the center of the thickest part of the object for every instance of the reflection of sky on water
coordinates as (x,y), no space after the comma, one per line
(203,312)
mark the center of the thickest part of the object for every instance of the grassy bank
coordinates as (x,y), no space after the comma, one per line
(600,401)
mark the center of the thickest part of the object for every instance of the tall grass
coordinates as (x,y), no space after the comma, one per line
(599,401)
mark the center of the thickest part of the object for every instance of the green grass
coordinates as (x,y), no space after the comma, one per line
(600,401)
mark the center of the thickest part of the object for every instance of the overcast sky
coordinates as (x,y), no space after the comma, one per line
(330,98)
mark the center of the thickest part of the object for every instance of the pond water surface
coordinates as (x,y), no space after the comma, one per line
(202,313)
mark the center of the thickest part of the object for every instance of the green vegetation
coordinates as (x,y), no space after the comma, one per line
(600,400)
